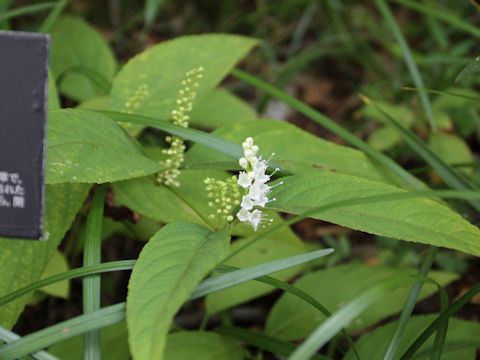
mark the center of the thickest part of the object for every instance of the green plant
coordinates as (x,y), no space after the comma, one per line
(203,198)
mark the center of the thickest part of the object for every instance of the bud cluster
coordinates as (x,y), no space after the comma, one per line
(133,103)
(223,197)
(175,152)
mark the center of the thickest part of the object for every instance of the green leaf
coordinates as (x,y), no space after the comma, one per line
(202,345)
(169,267)
(88,147)
(162,68)
(53,101)
(373,345)
(114,345)
(96,103)
(291,318)
(151,9)
(23,261)
(419,220)
(56,265)
(220,108)
(305,154)
(75,44)
(451,149)
(260,252)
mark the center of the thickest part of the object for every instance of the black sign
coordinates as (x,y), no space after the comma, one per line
(23,105)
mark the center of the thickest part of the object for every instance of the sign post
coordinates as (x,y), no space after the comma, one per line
(23,106)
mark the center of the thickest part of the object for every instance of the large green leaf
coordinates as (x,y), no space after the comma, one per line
(22,261)
(87,147)
(202,345)
(304,154)
(220,108)
(114,345)
(78,49)
(169,267)
(291,318)
(162,68)
(463,337)
(419,220)
(260,252)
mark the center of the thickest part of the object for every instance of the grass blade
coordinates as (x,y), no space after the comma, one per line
(441,14)
(91,283)
(25,10)
(240,276)
(412,67)
(449,174)
(262,341)
(409,305)
(52,17)
(442,318)
(8,336)
(71,274)
(62,331)
(313,114)
(214,142)
(282,285)
(347,313)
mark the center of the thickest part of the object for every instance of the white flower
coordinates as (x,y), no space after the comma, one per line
(254,180)
(244,180)
(244,215)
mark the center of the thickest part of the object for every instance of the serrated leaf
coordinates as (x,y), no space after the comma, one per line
(77,45)
(162,68)
(460,333)
(114,345)
(57,264)
(220,108)
(202,345)
(291,318)
(306,153)
(418,220)
(88,147)
(260,252)
(169,267)
(22,261)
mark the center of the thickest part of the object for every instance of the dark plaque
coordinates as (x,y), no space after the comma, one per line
(23,105)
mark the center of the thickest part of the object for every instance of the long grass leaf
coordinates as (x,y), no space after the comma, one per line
(332,325)
(407,54)
(442,318)
(63,331)
(7,336)
(25,10)
(332,126)
(441,14)
(262,341)
(91,283)
(53,16)
(71,274)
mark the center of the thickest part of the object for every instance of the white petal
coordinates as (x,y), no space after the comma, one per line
(243,162)
(244,180)
(247,203)
(244,215)
(262,202)
(255,219)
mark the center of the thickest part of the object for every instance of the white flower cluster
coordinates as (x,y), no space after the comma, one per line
(176,151)
(223,196)
(254,180)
